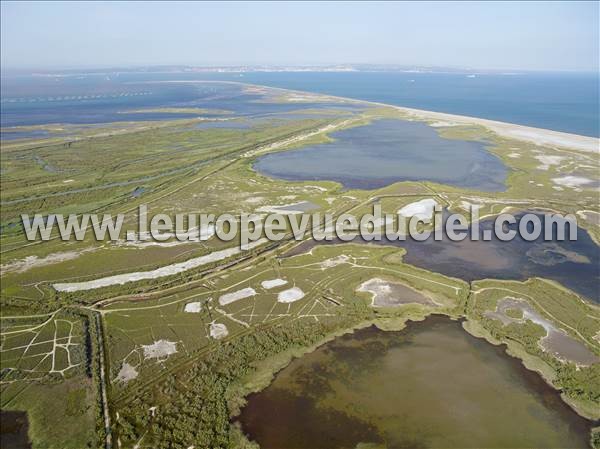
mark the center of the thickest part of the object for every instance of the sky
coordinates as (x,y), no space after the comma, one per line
(480,35)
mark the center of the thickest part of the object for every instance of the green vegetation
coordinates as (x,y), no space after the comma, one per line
(581,320)
(62,352)
(49,370)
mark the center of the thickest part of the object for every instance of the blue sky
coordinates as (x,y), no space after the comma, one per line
(482,35)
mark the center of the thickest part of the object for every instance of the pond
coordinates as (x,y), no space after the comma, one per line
(387,151)
(13,430)
(429,385)
(575,264)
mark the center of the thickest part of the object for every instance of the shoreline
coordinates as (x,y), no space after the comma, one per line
(524,133)
(529,361)
(537,136)
(267,369)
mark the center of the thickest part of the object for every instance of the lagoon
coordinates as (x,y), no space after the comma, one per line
(387,151)
(429,385)
(573,263)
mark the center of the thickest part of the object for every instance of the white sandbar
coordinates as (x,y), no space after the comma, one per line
(168,270)
(290,295)
(193,307)
(236,296)
(273,283)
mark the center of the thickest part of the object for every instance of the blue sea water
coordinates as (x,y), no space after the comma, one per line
(567,102)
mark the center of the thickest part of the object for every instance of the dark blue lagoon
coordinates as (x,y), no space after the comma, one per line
(388,151)
(573,263)
(90,98)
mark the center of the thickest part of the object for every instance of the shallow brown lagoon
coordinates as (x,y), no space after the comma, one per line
(430,385)
(13,430)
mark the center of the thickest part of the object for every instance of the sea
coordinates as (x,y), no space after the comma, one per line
(567,102)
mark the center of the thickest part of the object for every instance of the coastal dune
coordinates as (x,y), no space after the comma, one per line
(538,136)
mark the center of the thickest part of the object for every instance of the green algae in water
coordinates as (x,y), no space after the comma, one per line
(430,385)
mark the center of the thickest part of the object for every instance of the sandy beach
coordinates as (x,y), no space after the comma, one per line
(538,136)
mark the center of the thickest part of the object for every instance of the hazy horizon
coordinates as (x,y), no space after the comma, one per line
(531,36)
(149,68)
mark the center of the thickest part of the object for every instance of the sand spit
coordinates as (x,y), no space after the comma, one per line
(193,307)
(538,136)
(290,295)
(442,124)
(236,296)
(273,283)
(167,270)
(159,349)
(308,97)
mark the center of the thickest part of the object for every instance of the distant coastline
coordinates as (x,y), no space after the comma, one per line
(543,108)
(537,136)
